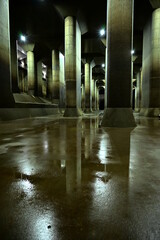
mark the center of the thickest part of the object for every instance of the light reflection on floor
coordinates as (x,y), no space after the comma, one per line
(70,179)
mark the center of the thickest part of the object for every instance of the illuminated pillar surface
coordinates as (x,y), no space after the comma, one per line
(83,96)
(30,68)
(72,67)
(97,98)
(118,112)
(138,92)
(6,97)
(93,95)
(88,92)
(49,83)
(61,82)
(151,67)
(56,76)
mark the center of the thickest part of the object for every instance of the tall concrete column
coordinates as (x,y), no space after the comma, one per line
(118,112)
(93,95)
(49,83)
(62,82)
(6,97)
(151,67)
(97,97)
(83,96)
(30,68)
(72,67)
(39,78)
(44,88)
(88,92)
(56,76)
(138,92)
(31,72)
(14,67)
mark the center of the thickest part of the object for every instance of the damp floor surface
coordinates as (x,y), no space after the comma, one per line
(69,179)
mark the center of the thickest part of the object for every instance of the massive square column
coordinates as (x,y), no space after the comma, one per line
(93,95)
(151,66)
(72,67)
(118,112)
(56,76)
(138,92)
(39,78)
(31,69)
(6,97)
(88,89)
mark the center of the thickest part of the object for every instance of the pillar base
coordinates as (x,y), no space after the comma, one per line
(150,112)
(88,110)
(118,117)
(137,110)
(72,112)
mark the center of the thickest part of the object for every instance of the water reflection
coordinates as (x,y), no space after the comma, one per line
(72,145)
(118,154)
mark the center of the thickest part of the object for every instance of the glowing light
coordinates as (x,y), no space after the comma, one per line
(133,51)
(102,32)
(44,74)
(63,163)
(22,64)
(23,38)
(103,65)
(43,65)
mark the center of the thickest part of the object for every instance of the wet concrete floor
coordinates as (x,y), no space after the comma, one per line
(68,179)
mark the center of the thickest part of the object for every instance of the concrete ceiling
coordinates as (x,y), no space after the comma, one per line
(43,22)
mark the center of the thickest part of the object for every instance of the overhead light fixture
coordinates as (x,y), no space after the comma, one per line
(103,65)
(102,32)
(22,38)
(132,51)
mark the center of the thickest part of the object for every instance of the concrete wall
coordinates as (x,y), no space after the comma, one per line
(6,98)
(151,66)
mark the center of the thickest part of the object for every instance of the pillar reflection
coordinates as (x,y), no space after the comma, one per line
(72,141)
(118,157)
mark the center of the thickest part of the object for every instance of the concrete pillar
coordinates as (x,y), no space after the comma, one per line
(88,93)
(93,95)
(97,97)
(49,83)
(6,97)
(151,67)
(96,94)
(31,72)
(14,67)
(56,76)
(118,112)
(44,89)
(62,82)
(138,92)
(22,81)
(39,78)
(72,67)
(83,96)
